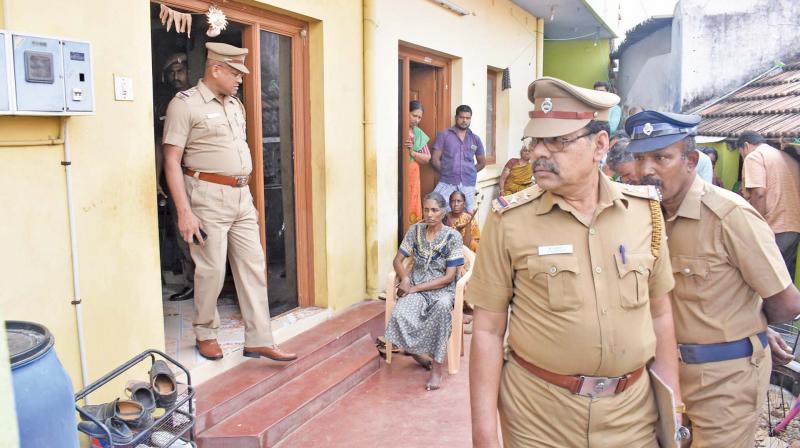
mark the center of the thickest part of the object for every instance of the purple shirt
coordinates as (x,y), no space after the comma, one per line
(458,158)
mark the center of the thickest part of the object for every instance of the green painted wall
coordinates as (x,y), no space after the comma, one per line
(727,167)
(578,62)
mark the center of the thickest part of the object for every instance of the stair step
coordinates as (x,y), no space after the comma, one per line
(269,419)
(227,393)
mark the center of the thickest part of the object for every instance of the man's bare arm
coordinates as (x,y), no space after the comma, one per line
(188,224)
(783,306)
(485,366)
(666,363)
(436,159)
(757,197)
(481,163)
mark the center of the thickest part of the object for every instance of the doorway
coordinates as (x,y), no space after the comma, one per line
(275,98)
(424,77)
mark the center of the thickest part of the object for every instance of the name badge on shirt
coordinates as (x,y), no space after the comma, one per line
(213,115)
(473,147)
(553,250)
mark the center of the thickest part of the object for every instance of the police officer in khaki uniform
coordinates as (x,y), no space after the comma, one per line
(579,261)
(725,260)
(207,165)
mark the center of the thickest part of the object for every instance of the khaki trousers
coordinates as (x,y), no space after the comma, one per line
(724,399)
(535,413)
(229,218)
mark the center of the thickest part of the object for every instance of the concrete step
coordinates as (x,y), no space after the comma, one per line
(222,396)
(272,417)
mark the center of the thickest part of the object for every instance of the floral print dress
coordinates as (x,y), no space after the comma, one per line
(420,322)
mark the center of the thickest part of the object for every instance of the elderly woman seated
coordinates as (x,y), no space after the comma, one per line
(517,175)
(421,319)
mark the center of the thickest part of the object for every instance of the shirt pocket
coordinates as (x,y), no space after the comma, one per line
(216,126)
(690,273)
(634,276)
(561,274)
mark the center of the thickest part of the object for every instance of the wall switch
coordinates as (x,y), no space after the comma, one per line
(123,88)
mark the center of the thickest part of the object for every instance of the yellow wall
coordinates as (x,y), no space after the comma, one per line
(579,62)
(114,194)
(498,35)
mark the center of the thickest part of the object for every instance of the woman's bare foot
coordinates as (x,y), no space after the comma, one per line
(435,381)
(424,361)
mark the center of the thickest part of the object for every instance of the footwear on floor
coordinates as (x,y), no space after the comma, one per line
(185,294)
(209,349)
(274,353)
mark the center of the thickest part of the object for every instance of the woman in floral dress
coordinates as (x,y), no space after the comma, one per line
(421,319)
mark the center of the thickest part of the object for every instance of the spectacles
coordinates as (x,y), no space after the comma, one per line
(556,144)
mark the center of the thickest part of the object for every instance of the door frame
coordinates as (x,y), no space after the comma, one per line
(255,20)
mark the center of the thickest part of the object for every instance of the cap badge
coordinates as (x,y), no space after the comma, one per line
(647,129)
(547,105)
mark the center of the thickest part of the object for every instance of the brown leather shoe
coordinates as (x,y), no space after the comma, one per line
(209,349)
(274,353)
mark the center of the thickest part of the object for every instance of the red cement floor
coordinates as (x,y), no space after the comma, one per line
(393,409)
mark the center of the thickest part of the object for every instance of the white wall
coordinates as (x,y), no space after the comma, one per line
(645,77)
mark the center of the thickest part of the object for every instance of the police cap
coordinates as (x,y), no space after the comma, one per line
(233,56)
(560,108)
(651,130)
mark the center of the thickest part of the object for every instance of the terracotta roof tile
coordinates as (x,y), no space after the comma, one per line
(769,106)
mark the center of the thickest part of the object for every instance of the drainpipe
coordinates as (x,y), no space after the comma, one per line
(370,27)
(539,47)
(73,239)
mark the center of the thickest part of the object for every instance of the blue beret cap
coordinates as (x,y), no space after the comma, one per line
(651,130)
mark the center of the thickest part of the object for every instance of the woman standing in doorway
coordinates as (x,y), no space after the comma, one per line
(418,154)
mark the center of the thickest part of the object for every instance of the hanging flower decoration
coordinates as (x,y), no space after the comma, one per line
(216,21)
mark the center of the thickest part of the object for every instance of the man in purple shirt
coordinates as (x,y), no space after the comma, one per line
(458,155)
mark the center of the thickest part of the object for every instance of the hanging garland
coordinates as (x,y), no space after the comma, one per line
(183,21)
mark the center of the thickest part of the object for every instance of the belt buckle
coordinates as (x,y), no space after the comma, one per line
(597,386)
(241,181)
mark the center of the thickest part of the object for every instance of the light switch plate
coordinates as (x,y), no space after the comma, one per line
(123,88)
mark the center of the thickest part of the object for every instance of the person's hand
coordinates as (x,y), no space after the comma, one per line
(409,144)
(189,225)
(781,352)
(405,287)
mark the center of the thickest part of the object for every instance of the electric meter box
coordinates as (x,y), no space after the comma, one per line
(51,76)
(5,75)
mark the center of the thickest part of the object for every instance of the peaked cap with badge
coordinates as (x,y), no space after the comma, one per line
(233,56)
(560,108)
(651,130)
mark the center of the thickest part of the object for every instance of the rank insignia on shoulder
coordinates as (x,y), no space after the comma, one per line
(503,203)
(642,191)
(186,93)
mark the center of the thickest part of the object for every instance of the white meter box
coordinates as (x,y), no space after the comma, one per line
(51,76)
(5,74)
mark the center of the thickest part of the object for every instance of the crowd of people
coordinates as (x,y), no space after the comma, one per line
(614,271)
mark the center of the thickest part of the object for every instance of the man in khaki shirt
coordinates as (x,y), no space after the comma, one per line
(207,165)
(771,179)
(579,261)
(724,259)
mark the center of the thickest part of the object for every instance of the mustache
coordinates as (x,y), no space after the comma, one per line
(547,165)
(651,180)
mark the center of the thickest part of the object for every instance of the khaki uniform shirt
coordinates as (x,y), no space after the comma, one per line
(725,259)
(211,132)
(577,305)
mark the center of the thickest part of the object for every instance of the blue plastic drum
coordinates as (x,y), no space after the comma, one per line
(42,389)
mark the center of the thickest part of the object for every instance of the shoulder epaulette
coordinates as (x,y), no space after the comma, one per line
(186,93)
(504,203)
(641,191)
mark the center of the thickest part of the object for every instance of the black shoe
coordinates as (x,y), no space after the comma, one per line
(130,412)
(186,294)
(120,433)
(143,393)
(162,382)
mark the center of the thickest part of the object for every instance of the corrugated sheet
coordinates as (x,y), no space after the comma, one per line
(769,106)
